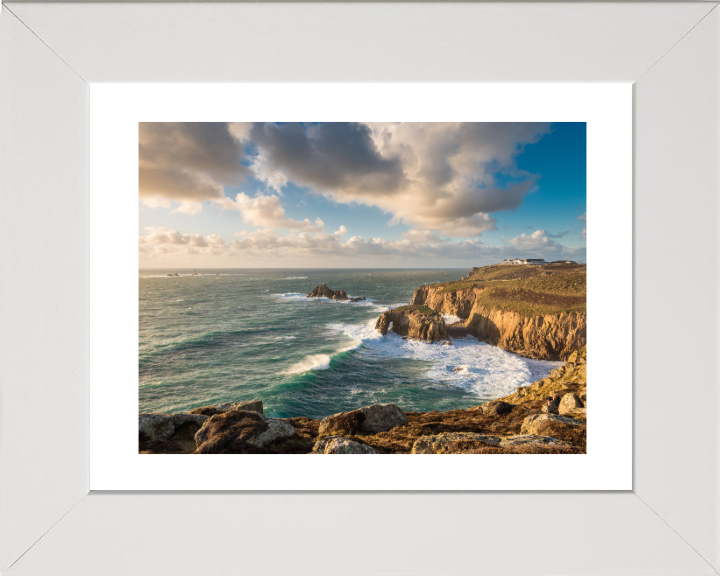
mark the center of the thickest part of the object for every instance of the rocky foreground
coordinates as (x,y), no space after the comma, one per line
(548,417)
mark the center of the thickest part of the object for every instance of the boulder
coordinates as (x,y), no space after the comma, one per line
(453,443)
(155,427)
(341,445)
(370,419)
(243,432)
(497,408)
(166,447)
(549,425)
(569,403)
(212,410)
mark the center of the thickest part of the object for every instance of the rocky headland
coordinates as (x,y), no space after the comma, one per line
(535,311)
(547,417)
(325,292)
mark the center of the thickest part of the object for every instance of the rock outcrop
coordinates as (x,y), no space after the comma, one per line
(413,322)
(325,292)
(368,420)
(453,443)
(341,445)
(212,410)
(242,432)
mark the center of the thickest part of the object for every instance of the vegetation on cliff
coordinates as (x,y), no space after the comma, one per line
(535,311)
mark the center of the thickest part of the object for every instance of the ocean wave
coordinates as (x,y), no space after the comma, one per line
(451,318)
(479,368)
(311,362)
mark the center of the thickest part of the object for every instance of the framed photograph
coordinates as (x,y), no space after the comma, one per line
(237,237)
(325,307)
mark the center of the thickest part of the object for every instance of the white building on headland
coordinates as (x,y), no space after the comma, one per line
(517,261)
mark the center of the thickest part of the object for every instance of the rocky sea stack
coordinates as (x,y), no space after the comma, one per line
(415,322)
(325,292)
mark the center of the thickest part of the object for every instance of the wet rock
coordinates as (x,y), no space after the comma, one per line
(243,432)
(341,445)
(155,427)
(453,443)
(446,343)
(370,419)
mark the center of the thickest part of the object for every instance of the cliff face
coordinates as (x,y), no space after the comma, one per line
(413,324)
(543,336)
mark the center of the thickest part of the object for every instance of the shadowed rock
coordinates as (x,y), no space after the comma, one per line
(242,432)
(155,427)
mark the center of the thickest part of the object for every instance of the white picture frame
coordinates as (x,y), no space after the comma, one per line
(50,523)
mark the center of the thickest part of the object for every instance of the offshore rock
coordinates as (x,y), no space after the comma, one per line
(325,292)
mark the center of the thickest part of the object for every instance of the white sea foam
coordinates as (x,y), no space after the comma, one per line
(311,362)
(483,369)
(451,318)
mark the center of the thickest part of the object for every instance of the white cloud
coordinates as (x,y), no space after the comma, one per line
(537,241)
(268,212)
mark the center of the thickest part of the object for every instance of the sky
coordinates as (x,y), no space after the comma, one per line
(360,195)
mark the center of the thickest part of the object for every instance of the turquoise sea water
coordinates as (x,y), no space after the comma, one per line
(228,335)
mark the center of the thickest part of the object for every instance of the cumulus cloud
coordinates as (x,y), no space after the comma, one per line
(433,176)
(446,178)
(189,162)
(538,241)
(268,245)
(268,212)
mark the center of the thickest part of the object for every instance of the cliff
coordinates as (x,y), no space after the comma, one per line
(537,312)
(416,322)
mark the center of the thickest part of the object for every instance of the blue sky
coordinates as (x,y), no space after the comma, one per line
(386,195)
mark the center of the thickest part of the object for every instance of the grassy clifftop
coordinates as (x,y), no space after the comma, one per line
(526,290)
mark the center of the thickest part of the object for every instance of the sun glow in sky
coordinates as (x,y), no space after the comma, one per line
(366,195)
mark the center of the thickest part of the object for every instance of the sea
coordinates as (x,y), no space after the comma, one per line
(230,335)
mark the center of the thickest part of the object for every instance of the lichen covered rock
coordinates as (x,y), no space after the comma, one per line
(213,409)
(341,445)
(368,420)
(453,443)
